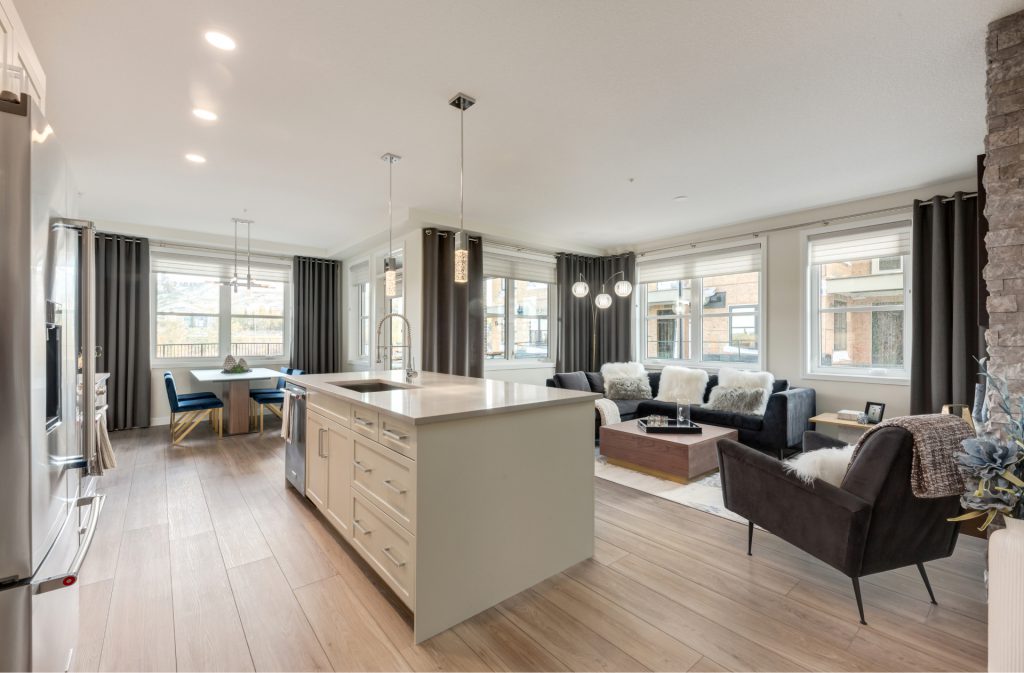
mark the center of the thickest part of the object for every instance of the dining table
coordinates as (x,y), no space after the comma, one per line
(237,402)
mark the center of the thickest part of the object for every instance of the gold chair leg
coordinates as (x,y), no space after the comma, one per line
(192,419)
(276,411)
(220,422)
(261,419)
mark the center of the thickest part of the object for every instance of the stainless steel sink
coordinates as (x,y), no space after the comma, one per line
(372,386)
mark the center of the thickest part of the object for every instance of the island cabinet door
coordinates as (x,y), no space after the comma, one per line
(317,460)
(339,477)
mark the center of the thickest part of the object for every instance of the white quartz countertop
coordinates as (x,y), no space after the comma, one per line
(440,397)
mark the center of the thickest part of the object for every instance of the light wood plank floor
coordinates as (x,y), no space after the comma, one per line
(206,561)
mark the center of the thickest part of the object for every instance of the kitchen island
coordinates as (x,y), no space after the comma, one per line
(459,492)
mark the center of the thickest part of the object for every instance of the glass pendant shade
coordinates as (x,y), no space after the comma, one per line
(623,288)
(580,289)
(461,257)
(390,277)
(603,300)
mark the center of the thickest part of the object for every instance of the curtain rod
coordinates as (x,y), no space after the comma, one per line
(824,222)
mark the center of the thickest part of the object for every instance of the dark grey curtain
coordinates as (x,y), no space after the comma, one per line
(316,332)
(946,279)
(453,313)
(122,327)
(589,337)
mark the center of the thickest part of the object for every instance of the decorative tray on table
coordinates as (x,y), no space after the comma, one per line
(669,426)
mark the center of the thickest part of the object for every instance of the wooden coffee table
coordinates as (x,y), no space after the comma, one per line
(675,457)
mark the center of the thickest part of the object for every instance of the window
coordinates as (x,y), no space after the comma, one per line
(197,315)
(187,316)
(516,319)
(702,308)
(859,282)
(519,297)
(362,293)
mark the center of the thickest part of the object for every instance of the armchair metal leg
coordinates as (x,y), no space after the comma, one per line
(927,584)
(860,602)
(750,538)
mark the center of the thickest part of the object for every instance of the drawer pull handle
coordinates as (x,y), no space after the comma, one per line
(392,557)
(363,422)
(358,526)
(361,467)
(391,434)
(399,491)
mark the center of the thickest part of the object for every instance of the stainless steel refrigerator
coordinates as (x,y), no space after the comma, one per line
(48,514)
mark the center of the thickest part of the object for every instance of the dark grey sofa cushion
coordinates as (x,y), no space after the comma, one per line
(572,381)
(596,382)
(627,408)
(728,419)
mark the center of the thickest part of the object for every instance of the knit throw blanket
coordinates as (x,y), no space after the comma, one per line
(937,439)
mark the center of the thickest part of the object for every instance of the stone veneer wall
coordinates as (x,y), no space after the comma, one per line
(1004,186)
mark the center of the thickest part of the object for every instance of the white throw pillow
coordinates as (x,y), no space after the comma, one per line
(682,385)
(622,370)
(734,378)
(829,465)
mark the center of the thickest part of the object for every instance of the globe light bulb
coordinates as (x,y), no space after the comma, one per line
(580,289)
(623,288)
(603,300)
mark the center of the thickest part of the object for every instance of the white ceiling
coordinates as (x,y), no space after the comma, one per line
(592,115)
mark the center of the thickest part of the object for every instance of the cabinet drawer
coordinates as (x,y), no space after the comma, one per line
(387,479)
(398,434)
(386,546)
(333,408)
(365,421)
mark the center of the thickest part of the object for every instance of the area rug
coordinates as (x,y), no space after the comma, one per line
(704,494)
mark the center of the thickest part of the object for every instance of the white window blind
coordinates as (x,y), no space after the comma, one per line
(359,274)
(521,265)
(886,240)
(168,259)
(700,264)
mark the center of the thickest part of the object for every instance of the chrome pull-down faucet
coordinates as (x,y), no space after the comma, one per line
(410,364)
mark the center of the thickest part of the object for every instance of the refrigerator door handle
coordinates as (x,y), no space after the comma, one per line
(71,576)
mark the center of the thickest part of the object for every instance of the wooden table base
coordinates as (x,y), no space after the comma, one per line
(238,408)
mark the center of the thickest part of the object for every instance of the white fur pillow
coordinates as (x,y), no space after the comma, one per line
(682,385)
(622,370)
(829,465)
(734,378)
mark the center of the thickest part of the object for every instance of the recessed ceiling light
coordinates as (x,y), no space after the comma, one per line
(220,40)
(681,197)
(196,158)
(205,115)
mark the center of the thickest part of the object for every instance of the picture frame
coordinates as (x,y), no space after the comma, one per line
(874,411)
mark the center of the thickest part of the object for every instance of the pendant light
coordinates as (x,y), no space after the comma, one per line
(580,288)
(390,265)
(463,103)
(235,281)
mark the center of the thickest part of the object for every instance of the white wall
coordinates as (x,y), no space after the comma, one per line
(785,302)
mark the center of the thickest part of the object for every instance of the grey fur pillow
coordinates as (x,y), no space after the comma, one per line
(638,388)
(737,400)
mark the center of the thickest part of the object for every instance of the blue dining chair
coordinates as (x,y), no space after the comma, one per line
(269,397)
(193,408)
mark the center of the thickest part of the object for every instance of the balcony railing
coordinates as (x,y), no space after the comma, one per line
(212,350)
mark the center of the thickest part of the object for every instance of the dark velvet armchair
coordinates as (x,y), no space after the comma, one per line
(870,524)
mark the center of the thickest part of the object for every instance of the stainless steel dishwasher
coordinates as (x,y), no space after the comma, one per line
(295,447)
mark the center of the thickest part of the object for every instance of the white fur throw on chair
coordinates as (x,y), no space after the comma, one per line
(829,465)
(682,385)
(622,370)
(607,411)
(734,378)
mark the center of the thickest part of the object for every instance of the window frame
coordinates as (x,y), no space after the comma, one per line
(509,360)
(224,326)
(812,370)
(696,317)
